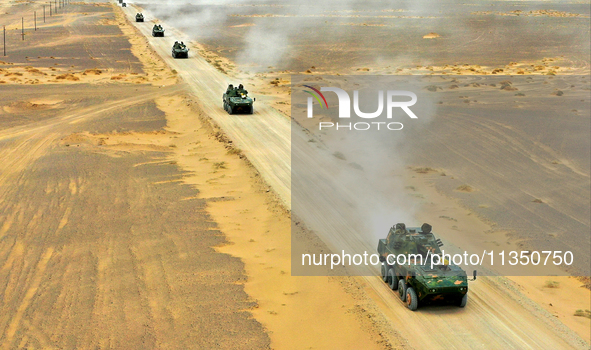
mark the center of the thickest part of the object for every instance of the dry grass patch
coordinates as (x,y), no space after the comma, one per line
(552,284)
(465,188)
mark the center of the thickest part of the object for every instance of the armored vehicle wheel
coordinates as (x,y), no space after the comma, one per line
(411,299)
(384,273)
(224,105)
(392,279)
(464,301)
(251,110)
(230,110)
(402,289)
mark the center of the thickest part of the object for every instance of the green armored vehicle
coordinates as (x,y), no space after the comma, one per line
(236,100)
(123,5)
(180,50)
(139,17)
(157,30)
(415,277)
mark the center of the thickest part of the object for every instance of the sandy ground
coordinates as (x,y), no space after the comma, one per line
(59,51)
(98,250)
(562,299)
(346,35)
(259,231)
(537,327)
(111,248)
(155,282)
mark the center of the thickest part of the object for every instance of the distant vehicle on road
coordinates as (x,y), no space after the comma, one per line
(417,280)
(157,30)
(180,50)
(139,17)
(236,100)
(123,5)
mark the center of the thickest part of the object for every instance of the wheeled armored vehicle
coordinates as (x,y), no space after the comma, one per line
(139,17)
(180,50)
(236,100)
(407,255)
(157,30)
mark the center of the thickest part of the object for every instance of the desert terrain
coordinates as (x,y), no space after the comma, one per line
(135,214)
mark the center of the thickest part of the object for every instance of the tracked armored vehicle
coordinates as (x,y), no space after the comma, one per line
(180,50)
(139,17)
(236,100)
(157,30)
(415,278)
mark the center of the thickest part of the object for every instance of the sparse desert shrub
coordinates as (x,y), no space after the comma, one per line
(425,170)
(233,150)
(552,284)
(465,188)
(339,155)
(219,165)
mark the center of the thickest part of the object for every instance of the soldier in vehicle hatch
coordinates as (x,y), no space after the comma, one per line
(393,236)
(233,92)
(400,229)
(241,90)
(426,243)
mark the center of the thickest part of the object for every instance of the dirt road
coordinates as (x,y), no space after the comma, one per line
(497,316)
(264,136)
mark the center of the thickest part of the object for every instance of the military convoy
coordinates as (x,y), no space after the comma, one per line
(180,50)
(415,278)
(157,30)
(236,100)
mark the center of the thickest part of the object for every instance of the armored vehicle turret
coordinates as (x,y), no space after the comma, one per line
(408,266)
(157,30)
(236,100)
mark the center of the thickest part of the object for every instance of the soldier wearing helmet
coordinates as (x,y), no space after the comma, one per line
(241,90)
(399,229)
